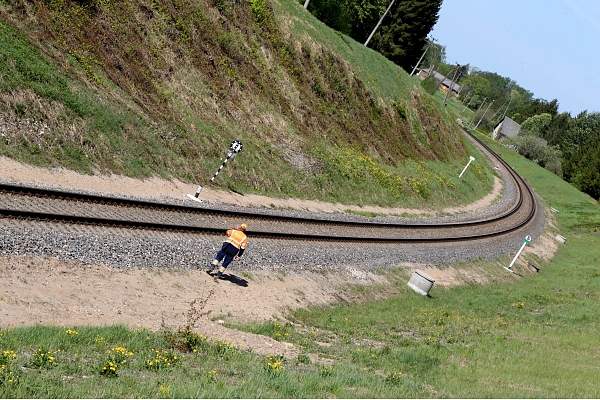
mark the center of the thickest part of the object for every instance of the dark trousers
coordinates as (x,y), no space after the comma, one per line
(222,254)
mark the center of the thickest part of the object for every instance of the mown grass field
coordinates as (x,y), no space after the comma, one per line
(532,337)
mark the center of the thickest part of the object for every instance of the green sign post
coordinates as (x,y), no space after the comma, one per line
(527,240)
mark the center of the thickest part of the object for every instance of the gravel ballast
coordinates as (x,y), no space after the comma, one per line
(132,249)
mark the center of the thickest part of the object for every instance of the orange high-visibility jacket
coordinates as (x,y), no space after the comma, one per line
(237,238)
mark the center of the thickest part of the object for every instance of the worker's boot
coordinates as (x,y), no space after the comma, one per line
(211,268)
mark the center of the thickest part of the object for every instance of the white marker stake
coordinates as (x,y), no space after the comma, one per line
(527,240)
(195,196)
(471,159)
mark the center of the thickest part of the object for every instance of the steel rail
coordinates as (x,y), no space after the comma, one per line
(110,200)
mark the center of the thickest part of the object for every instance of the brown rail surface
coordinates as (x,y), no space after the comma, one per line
(34,204)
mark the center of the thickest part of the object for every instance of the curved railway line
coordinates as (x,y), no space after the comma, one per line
(43,205)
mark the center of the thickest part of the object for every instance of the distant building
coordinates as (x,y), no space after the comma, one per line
(445,83)
(505,128)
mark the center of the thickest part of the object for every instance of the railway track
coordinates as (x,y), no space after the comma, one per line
(63,207)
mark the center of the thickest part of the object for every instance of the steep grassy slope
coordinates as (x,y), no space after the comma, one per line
(162,87)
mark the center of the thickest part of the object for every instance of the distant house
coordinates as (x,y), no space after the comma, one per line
(505,128)
(445,83)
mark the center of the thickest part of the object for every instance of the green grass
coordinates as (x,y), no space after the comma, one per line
(378,73)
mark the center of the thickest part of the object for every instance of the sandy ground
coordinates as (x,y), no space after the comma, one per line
(64,293)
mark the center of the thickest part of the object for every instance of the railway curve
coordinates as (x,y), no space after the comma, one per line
(77,212)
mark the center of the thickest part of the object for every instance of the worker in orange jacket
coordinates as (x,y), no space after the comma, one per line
(233,248)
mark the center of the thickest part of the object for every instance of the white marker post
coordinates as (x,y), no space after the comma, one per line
(234,148)
(471,159)
(527,240)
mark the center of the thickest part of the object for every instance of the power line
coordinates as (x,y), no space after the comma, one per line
(481,105)
(486,110)
(452,83)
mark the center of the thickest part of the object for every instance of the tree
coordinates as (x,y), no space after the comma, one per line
(580,130)
(559,124)
(463,72)
(364,15)
(577,144)
(535,125)
(552,160)
(403,33)
(534,148)
(535,107)
(519,99)
(500,87)
(435,56)
(587,176)
(480,87)
(355,18)
(332,13)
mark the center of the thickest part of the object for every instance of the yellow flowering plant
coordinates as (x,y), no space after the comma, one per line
(43,358)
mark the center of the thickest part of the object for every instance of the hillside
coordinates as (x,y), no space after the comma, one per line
(161,88)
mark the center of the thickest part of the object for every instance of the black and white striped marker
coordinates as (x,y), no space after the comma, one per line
(234,148)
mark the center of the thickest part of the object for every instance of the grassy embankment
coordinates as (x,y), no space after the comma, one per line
(533,337)
(163,89)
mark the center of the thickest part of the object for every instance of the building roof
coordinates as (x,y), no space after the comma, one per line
(508,127)
(447,82)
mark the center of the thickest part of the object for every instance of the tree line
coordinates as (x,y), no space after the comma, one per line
(568,146)
(402,33)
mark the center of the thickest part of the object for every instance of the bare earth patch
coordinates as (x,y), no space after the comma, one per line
(40,291)
(49,291)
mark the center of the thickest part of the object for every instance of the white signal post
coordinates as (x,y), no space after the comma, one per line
(471,159)
(234,148)
(527,240)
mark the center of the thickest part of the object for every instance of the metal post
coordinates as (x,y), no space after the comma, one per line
(527,240)
(481,119)
(234,148)
(306,4)
(198,191)
(229,155)
(471,158)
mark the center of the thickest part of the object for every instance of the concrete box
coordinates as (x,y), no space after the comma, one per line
(420,282)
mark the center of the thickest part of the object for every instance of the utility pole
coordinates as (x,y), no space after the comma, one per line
(502,106)
(472,97)
(486,110)
(452,83)
(508,106)
(421,59)
(498,110)
(481,105)
(442,81)
(379,23)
